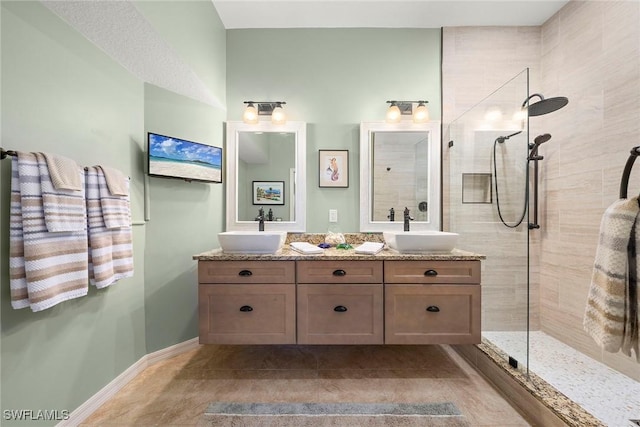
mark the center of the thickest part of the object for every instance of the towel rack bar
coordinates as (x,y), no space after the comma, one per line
(624,182)
(4,153)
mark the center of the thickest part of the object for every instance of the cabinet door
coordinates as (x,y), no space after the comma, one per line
(247,314)
(340,314)
(432,314)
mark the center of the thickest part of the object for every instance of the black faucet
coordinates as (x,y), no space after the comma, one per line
(392,215)
(260,218)
(407,218)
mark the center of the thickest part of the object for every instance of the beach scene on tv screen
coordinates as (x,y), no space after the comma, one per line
(184,159)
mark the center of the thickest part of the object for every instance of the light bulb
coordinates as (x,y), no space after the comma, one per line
(393,114)
(277,115)
(421,115)
(250,115)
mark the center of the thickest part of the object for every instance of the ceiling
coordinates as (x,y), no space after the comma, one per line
(237,14)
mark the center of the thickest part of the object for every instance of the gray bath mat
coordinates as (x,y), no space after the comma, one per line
(240,408)
(444,414)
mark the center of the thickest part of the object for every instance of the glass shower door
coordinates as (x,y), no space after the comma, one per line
(485,179)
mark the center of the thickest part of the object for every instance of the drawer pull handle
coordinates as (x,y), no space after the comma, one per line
(246,308)
(433,309)
(431,273)
(340,273)
(245,273)
(340,309)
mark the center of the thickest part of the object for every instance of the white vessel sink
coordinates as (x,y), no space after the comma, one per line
(251,242)
(421,241)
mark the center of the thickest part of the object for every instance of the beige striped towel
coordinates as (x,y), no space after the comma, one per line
(110,249)
(64,210)
(611,315)
(116,209)
(46,267)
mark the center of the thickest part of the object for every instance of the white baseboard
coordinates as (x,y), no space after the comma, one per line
(85,410)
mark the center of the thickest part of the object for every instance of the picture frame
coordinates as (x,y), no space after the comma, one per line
(333,168)
(268,192)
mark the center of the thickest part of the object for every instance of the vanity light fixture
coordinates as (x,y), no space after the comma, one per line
(397,109)
(264,108)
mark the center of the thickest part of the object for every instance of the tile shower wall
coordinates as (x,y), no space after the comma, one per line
(591,54)
(476,62)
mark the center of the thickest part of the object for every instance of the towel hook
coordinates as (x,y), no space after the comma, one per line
(624,182)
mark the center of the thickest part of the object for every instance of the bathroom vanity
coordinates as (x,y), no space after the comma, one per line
(339,297)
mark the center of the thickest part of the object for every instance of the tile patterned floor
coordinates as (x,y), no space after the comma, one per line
(176,392)
(610,396)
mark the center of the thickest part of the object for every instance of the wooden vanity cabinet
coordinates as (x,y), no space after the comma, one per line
(340,302)
(432,302)
(247,302)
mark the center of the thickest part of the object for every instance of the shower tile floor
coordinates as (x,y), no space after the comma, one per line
(608,395)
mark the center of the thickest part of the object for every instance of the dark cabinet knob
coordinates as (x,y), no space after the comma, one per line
(431,273)
(339,273)
(245,273)
(340,308)
(433,309)
(246,308)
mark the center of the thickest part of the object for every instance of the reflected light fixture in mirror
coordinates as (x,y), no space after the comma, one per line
(397,109)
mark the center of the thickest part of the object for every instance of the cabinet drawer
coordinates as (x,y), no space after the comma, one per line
(432,314)
(246,272)
(339,271)
(340,314)
(432,272)
(247,314)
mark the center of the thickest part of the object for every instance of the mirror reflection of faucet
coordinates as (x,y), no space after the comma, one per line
(260,218)
(407,218)
(392,215)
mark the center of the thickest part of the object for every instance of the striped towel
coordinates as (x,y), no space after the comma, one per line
(64,209)
(611,315)
(46,267)
(116,209)
(110,249)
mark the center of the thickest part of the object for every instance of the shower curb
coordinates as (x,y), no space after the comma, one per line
(536,398)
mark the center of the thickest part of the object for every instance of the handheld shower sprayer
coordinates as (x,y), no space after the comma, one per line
(537,142)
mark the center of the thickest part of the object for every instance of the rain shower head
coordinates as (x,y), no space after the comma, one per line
(544,106)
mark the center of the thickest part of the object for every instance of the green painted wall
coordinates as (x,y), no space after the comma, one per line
(185,220)
(61,94)
(333,79)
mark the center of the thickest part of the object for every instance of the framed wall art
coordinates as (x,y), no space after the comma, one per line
(268,192)
(333,168)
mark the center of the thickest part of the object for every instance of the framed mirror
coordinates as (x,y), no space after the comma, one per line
(266,168)
(399,167)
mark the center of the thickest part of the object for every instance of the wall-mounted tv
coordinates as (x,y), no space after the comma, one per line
(172,157)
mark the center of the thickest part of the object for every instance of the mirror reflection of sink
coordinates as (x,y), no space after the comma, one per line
(421,241)
(251,242)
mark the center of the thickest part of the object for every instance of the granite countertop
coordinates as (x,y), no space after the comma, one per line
(332,254)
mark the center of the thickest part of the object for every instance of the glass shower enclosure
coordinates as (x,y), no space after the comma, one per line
(485,193)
